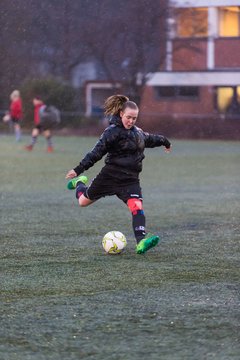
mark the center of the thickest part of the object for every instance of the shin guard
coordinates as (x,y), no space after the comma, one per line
(138,218)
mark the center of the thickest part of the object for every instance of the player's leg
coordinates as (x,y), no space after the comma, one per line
(48,136)
(17,130)
(84,201)
(35,133)
(81,188)
(138,218)
(135,205)
(144,242)
(79,183)
(101,186)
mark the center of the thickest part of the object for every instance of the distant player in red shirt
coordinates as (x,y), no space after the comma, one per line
(38,127)
(16,113)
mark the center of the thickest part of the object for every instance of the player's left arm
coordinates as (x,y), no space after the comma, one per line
(154,140)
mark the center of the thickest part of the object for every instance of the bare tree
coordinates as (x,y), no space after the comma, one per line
(51,38)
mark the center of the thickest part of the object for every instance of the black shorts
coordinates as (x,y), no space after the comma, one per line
(41,128)
(15,120)
(110,182)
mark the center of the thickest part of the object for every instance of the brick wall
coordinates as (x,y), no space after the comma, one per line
(227,53)
(189,54)
(150,104)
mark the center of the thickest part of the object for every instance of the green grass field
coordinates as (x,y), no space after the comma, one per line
(63,298)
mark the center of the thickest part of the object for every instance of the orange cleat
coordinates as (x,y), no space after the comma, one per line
(50,149)
(28,147)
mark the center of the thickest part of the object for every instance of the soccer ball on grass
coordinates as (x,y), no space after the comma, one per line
(114,242)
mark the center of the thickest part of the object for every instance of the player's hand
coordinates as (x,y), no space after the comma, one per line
(168,150)
(71,174)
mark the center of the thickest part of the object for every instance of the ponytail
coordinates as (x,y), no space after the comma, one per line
(114,104)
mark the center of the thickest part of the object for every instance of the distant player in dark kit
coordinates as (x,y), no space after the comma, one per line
(124,144)
(44,118)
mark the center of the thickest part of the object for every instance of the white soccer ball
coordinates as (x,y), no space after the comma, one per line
(114,242)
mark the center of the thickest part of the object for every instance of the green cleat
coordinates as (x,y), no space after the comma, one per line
(147,243)
(72,184)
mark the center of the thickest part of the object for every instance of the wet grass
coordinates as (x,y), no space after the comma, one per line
(63,298)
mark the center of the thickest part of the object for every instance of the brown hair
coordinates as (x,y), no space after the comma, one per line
(116,103)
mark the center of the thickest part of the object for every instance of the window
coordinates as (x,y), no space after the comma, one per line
(177,92)
(192,22)
(225,97)
(229,24)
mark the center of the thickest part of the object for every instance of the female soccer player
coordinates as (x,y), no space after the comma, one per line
(124,144)
(38,127)
(16,113)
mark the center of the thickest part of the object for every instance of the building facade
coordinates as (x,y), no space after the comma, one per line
(200,78)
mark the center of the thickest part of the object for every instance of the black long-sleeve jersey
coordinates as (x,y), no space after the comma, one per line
(124,148)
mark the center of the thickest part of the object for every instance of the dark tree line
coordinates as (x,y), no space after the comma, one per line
(50,38)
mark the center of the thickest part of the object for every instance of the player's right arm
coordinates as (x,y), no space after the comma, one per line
(96,154)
